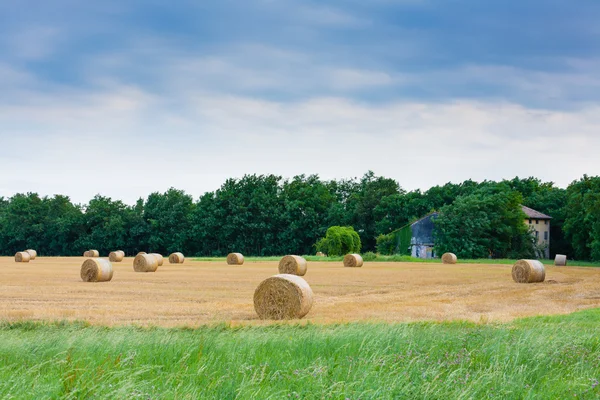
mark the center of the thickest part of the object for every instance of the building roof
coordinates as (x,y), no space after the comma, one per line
(428,216)
(531,213)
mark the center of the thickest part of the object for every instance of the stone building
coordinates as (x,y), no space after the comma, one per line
(539,224)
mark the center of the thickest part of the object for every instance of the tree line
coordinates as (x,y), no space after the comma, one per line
(267,215)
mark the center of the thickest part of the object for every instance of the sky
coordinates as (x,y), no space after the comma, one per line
(124,98)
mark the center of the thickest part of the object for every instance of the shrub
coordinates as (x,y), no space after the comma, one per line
(369,256)
(339,241)
(386,244)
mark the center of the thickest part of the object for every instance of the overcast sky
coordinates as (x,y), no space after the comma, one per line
(127,97)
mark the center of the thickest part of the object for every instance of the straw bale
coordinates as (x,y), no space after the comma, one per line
(159,257)
(528,271)
(294,265)
(560,260)
(449,258)
(176,258)
(32,253)
(145,263)
(96,270)
(235,259)
(91,253)
(283,296)
(22,257)
(353,260)
(116,256)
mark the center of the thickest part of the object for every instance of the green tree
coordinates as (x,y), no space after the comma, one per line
(22,225)
(487,223)
(168,217)
(105,226)
(582,217)
(339,241)
(362,202)
(307,201)
(63,224)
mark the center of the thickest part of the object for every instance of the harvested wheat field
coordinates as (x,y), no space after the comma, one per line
(197,293)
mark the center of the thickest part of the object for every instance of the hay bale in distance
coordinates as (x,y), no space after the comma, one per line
(159,258)
(353,261)
(145,263)
(176,258)
(235,259)
(283,296)
(449,258)
(321,254)
(96,270)
(116,256)
(528,271)
(294,265)
(560,260)
(22,257)
(91,253)
(32,253)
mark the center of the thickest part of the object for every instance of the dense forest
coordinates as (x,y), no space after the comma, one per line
(268,215)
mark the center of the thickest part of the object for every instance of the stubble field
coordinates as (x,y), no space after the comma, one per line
(201,292)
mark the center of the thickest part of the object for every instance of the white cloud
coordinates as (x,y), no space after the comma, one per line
(125,143)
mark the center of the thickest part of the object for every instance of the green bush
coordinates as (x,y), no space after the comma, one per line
(339,241)
(369,256)
(386,244)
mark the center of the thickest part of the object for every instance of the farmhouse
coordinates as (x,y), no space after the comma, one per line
(417,239)
(539,224)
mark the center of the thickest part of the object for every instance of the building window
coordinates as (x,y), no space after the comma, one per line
(546,235)
(546,222)
(537,235)
(537,221)
(530,222)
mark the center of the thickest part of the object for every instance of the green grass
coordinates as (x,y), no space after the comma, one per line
(542,358)
(399,258)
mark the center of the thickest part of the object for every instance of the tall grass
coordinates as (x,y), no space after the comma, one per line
(546,357)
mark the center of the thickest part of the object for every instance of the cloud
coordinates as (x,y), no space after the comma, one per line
(128,143)
(136,96)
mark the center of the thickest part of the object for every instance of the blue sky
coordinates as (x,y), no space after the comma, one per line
(138,96)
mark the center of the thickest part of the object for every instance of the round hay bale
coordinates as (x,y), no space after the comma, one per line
(528,271)
(283,296)
(321,254)
(22,257)
(116,256)
(141,252)
(159,258)
(96,270)
(91,253)
(353,260)
(235,259)
(449,258)
(560,260)
(32,253)
(176,258)
(294,265)
(145,263)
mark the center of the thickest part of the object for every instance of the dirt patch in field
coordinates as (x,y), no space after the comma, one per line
(197,293)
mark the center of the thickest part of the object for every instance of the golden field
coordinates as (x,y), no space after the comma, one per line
(202,292)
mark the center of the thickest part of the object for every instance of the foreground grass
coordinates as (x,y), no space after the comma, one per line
(544,357)
(399,258)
